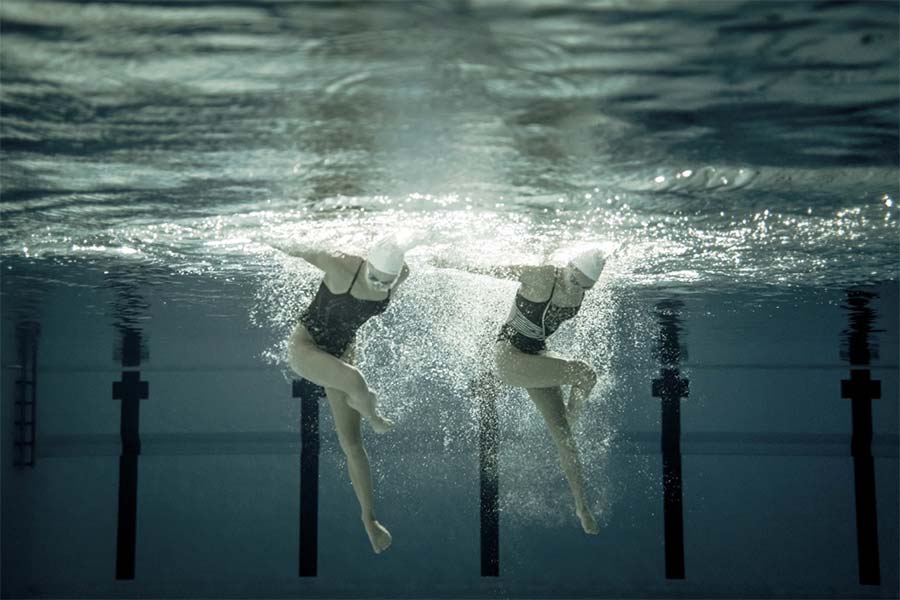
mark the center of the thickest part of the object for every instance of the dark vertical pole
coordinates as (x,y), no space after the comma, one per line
(126,531)
(486,389)
(672,494)
(864,488)
(671,388)
(309,395)
(130,390)
(861,389)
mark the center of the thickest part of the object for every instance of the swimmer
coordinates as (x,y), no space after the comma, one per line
(547,296)
(352,291)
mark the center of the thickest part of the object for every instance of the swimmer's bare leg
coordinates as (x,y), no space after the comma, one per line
(346,421)
(546,370)
(366,404)
(549,401)
(312,363)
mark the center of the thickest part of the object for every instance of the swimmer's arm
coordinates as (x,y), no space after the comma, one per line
(514,272)
(499,271)
(323,259)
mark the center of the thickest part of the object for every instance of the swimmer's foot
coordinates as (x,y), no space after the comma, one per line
(365,405)
(380,424)
(577,397)
(379,536)
(588,522)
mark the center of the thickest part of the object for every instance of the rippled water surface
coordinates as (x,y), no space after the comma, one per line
(726,143)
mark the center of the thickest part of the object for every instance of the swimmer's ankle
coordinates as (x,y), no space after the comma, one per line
(379,536)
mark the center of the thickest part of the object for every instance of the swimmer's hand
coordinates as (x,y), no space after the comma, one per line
(498,271)
(618,250)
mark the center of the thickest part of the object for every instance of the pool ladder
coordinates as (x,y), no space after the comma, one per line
(26,398)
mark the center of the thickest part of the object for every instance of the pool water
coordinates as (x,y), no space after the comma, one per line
(742,439)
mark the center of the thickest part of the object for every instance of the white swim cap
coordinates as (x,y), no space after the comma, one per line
(386,255)
(590,262)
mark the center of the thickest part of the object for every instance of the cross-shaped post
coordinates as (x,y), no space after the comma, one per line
(130,390)
(861,389)
(671,388)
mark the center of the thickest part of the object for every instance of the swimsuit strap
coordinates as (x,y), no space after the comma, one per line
(358,269)
(547,306)
(555,277)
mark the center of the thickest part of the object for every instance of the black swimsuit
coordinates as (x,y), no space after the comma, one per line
(333,319)
(533,322)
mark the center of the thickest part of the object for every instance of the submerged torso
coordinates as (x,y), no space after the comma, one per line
(531,323)
(332,320)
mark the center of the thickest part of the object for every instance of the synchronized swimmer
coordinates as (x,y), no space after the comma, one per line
(547,296)
(322,351)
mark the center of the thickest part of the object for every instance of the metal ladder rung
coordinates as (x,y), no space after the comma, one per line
(24,415)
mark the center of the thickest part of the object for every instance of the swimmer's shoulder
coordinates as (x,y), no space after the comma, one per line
(536,282)
(340,269)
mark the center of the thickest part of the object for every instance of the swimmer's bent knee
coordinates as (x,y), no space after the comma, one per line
(357,386)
